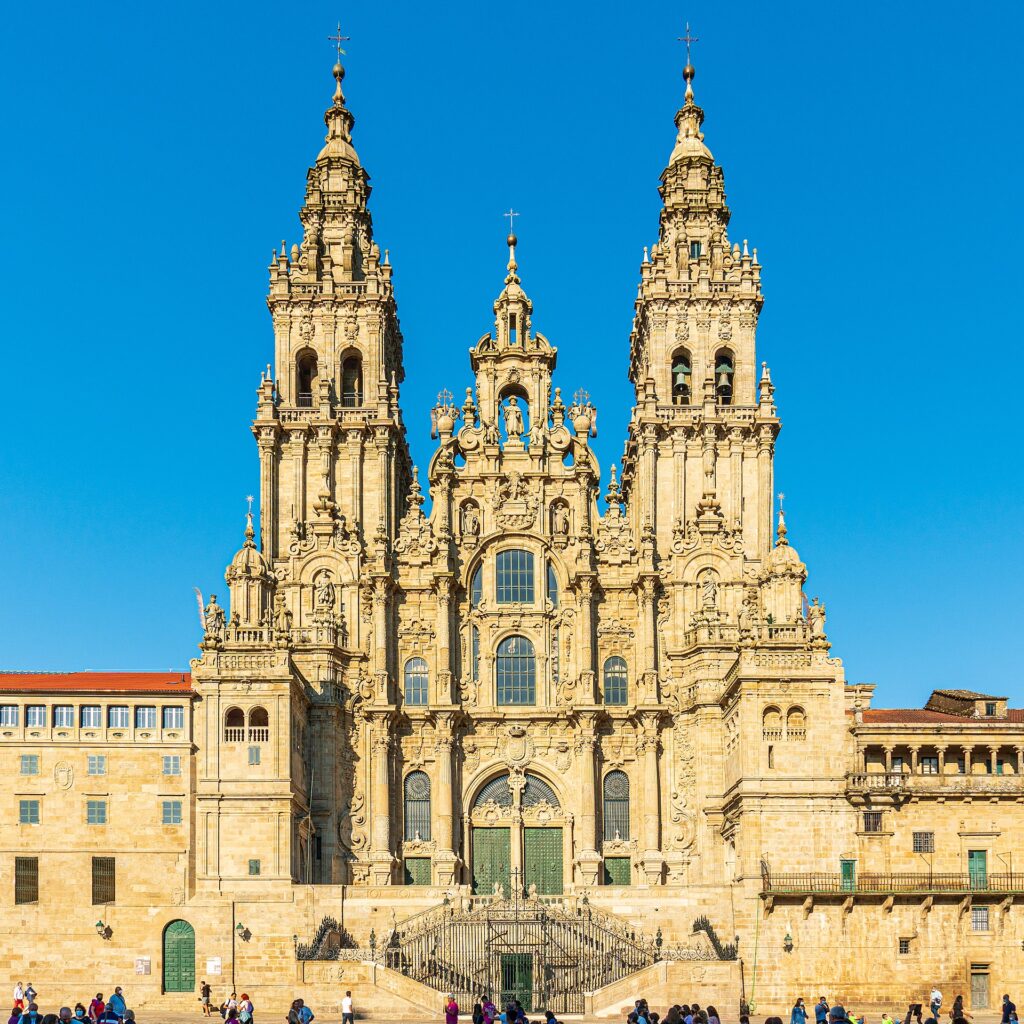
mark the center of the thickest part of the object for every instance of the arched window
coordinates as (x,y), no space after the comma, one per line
(681,370)
(552,586)
(723,376)
(514,582)
(517,671)
(417,806)
(234,725)
(537,791)
(416,682)
(259,725)
(616,806)
(796,724)
(352,381)
(771,723)
(497,790)
(476,587)
(305,374)
(616,681)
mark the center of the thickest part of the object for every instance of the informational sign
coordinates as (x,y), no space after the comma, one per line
(143,965)
(213,965)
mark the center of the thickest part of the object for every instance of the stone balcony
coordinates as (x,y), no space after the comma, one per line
(881,788)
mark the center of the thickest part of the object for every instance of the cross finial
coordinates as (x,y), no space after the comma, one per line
(338,39)
(249,498)
(782,498)
(512,214)
(688,39)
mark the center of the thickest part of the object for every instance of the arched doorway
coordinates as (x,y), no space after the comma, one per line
(179,957)
(517,838)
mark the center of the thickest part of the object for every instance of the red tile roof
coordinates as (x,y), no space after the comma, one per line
(911,716)
(91,682)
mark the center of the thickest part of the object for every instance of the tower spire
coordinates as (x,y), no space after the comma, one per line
(339,119)
(688,71)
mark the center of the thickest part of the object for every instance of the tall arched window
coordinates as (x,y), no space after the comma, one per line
(723,376)
(517,671)
(514,583)
(416,682)
(352,380)
(552,586)
(476,587)
(616,806)
(417,805)
(681,370)
(616,681)
(305,374)
(234,725)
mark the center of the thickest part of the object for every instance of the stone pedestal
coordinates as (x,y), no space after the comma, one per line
(589,862)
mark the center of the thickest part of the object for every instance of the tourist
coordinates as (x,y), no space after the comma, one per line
(305,1013)
(821,1011)
(490,1010)
(117,1004)
(713,1017)
(913,1010)
(935,1001)
(347,1013)
(129,1017)
(451,1010)
(246,1009)
(293,1013)
(1008,1008)
(31,1015)
(205,997)
(798,1015)
(687,1014)
(19,997)
(65,1015)
(30,993)
(15,1015)
(96,1007)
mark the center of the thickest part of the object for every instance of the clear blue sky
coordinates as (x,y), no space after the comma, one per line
(152,159)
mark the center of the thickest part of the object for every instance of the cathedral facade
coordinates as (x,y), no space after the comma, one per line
(526,690)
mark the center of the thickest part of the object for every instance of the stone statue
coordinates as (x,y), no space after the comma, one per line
(324,589)
(282,617)
(499,891)
(560,521)
(531,892)
(213,616)
(513,419)
(816,620)
(709,592)
(470,521)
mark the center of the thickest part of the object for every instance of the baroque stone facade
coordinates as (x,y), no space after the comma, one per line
(517,690)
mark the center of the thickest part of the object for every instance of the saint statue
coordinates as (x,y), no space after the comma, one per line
(213,616)
(470,521)
(513,419)
(816,620)
(560,521)
(324,590)
(709,592)
(282,617)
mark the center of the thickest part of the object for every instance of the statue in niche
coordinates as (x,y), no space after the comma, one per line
(213,617)
(816,620)
(324,591)
(513,419)
(470,522)
(708,592)
(560,521)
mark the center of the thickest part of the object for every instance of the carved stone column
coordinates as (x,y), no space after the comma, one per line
(585,640)
(589,858)
(446,861)
(647,589)
(381,859)
(443,586)
(648,745)
(268,488)
(765,448)
(380,638)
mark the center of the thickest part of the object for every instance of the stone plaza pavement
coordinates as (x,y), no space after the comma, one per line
(277,1014)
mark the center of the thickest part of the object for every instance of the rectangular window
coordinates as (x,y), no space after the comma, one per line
(999,767)
(552,586)
(172,764)
(145,717)
(961,767)
(174,717)
(514,577)
(929,765)
(904,947)
(979,919)
(63,716)
(91,716)
(97,764)
(26,879)
(990,710)
(8,715)
(924,842)
(118,716)
(96,812)
(104,888)
(170,813)
(28,812)
(897,764)
(35,716)
(254,755)
(254,867)
(29,764)
(872,821)
(695,250)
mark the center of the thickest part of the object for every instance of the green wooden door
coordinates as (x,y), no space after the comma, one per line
(617,871)
(517,980)
(543,857)
(417,871)
(977,868)
(492,859)
(848,874)
(179,957)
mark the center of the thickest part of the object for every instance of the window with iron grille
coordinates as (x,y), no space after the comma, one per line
(616,681)
(145,717)
(104,888)
(91,716)
(8,714)
(26,879)
(516,671)
(904,947)
(416,682)
(979,919)
(119,716)
(35,716)
(872,821)
(96,812)
(97,764)
(254,755)
(63,716)
(170,812)
(417,806)
(28,812)
(514,577)
(924,842)
(616,806)
(930,765)
(29,764)
(174,717)
(254,867)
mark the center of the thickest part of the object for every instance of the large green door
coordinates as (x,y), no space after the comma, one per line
(179,957)
(848,874)
(543,850)
(977,868)
(491,859)
(517,980)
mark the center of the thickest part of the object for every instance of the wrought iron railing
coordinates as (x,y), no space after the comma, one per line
(828,883)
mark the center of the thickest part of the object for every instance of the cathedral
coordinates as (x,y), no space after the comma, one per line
(597,702)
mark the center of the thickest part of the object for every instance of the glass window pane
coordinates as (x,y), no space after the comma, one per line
(96,812)
(516,671)
(170,813)
(172,764)
(514,577)
(92,716)
(145,717)
(119,716)
(616,689)
(28,812)
(417,806)
(416,682)
(8,714)
(475,653)
(476,587)
(616,806)
(552,585)
(35,715)
(174,717)
(97,764)
(64,716)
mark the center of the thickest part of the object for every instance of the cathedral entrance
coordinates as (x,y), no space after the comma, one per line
(517,837)
(179,957)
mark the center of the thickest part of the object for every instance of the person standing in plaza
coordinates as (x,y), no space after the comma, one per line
(935,1001)
(30,993)
(19,996)
(798,1015)
(347,1013)
(306,1015)
(246,1009)
(205,993)
(1009,1009)
(96,1007)
(451,1010)
(116,1003)
(821,1011)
